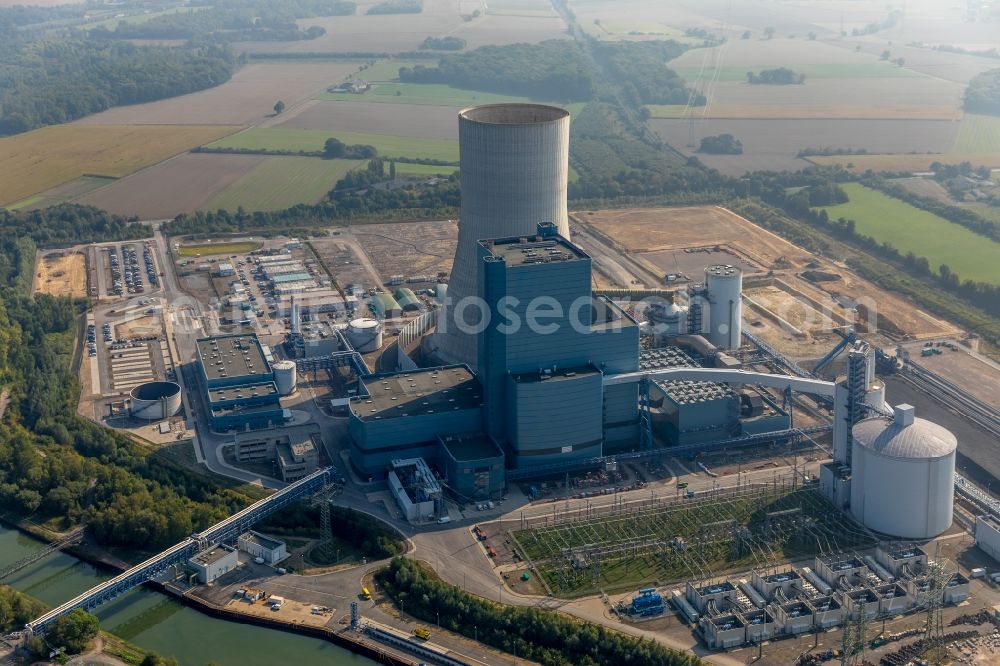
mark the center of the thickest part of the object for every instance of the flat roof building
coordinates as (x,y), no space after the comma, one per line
(214,562)
(227,360)
(473,465)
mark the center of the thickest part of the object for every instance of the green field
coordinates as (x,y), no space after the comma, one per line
(24,203)
(282,182)
(138,19)
(911,229)
(212,249)
(870,70)
(978,134)
(279,138)
(386,71)
(435,94)
(991,213)
(404,169)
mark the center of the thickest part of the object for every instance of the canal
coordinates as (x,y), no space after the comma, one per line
(157,622)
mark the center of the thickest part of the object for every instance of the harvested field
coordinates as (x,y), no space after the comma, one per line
(804,111)
(492,28)
(181,185)
(911,229)
(774,144)
(215,249)
(435,94)
(388,33)
(410,248)
(61,274)
(912,163)
(282,182)
(652,229)
(312,140)
(35,161)
(246,99)
(837,70)
(926,187)
(978,134)
(428,122)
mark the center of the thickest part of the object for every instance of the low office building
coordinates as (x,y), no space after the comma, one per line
(214,562)
(256,544)
(295,451)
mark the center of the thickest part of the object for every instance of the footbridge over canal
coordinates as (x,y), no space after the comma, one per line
(226,530)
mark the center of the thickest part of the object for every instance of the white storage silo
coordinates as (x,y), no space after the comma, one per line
(285,376)
(365,335)
(724,286)
(903,475)
(515,172)
(667,320)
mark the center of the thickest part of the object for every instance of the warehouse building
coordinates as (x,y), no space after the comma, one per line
(256,544)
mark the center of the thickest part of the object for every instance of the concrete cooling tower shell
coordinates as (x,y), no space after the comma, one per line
(155,401)
(515,168)
(903,477)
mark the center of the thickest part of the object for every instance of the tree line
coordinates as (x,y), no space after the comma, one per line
(51,82)
(983,93)
(397,7)
(780,76)
(551,639)
(232,20)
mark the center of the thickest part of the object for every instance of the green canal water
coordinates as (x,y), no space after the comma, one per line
(157,622)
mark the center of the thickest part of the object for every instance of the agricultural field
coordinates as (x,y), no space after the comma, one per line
(308,140)
(774,144)
(989,212)
(828,70)
(530,8)
(978,134)
(426,122)
(62,193)
(36,161)
(282,182)
(687,539)
(61,274)
(911,229)
(404,169)
(216,249)
(806,112)
(436,94)
(246,99)
(183,184)
(905,162)
(492,28)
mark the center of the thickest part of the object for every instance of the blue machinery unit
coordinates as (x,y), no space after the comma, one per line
(226,530)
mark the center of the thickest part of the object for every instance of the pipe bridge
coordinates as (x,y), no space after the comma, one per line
(725,376)
(226,530)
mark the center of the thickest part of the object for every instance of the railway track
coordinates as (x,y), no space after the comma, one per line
(952,397)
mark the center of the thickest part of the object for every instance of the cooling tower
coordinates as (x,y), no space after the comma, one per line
(514,167)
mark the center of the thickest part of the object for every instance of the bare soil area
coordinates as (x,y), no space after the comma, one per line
(179,185)
(61,274)
(974,375)
(419,248)
(246,99)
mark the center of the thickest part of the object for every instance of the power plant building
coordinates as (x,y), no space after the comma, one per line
(238,383)
(515,172)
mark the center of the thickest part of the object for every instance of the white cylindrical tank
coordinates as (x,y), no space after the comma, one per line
(724,284)
(365,335)
(515,172)
(903,475)
(667,320)
(154,401)
(875,395)
(285,376)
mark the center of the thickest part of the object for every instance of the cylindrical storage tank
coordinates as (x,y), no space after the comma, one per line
(285,376)
(154,401)
(365,335)
(441,292)
(903,475)
(875,395)
(514,160)
(724,284)
(667,320)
